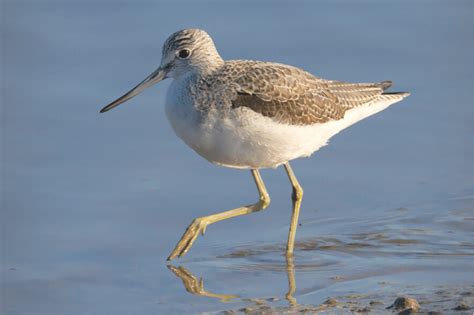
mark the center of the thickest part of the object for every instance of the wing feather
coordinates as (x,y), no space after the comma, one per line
(290,95)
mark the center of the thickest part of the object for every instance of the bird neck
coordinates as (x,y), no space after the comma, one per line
(209,66)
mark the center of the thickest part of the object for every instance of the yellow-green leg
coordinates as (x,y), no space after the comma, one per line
(296,196)
(290,270)
(199,225)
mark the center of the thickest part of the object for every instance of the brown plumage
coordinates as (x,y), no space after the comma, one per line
(284,93)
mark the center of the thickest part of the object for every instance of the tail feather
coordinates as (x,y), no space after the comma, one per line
(384,85)
(399,94)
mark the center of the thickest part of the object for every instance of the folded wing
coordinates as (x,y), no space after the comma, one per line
(292,96)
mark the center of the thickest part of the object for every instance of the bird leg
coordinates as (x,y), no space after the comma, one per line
(200,224)
(290,271)
(296,197)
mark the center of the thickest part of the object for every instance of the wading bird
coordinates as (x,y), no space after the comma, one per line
(251,115)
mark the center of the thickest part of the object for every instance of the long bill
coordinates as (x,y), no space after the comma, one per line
(158,75)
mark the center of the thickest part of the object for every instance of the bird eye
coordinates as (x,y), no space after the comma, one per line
(184,53)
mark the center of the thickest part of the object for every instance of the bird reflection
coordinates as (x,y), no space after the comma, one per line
(196,287)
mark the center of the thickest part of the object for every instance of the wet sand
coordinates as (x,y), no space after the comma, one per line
(93,204)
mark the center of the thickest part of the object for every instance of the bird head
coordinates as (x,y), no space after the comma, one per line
(189,51)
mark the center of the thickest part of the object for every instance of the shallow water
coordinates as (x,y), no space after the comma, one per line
(93,204)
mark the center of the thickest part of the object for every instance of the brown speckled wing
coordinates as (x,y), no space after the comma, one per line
(308,109)
(292,96)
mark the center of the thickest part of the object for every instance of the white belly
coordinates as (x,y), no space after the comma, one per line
(242,138)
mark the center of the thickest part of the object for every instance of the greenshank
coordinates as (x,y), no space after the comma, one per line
(251,115)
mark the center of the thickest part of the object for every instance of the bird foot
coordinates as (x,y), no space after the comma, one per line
(192,232)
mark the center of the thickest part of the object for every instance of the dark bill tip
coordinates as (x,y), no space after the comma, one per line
(103,110)
(108,107)
(153,78)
